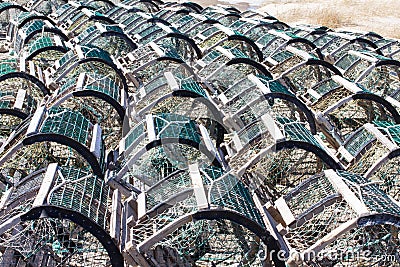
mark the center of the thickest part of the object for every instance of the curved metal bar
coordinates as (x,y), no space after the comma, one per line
(388,62)
(325,64)
(26,76)
(249,42)
(14,112)
(303,107)
(111,65)
(307,42)
(11,6)
(151,3)
(64,140)
(162,21)
(123,36)
(377,219)
(196,7)
(189,40)
(365,41)
(36,17)
(120,110)
(238,218)
(46,29)
(261,68)
(236,15)
(104,1)
(103,18)
(311,148)
(373,97)
(48,48)
(202,148)
(49,211)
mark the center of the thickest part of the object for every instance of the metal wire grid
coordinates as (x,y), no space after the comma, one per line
(52,242)
(312,190)
(83,192)
(69,123)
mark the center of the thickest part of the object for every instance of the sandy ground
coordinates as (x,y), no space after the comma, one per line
(382,16)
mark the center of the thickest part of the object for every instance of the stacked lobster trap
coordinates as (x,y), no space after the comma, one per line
(151,133)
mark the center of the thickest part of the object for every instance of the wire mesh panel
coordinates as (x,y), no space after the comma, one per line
(274,170)
(206,242)
(63,136)
(167,143)
(101,98)
(384,81)
(87,58)
(344,204)
(41,237)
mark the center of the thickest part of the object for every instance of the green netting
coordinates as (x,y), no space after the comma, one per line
(346,61)
(114,11)
(190,84)
(212,173)
(90,51)
(325,86)
(209,31)
(251,132)
(369,193)
(7,100)
(323,39)
(170,51)
(40,43)
(305,195)
(4,102)
(389,128)
(6,68)
(52,242)
(228,192)
(33,26)
(68,83)
(169,187)
(103,84)
(67,57)
(24,186)
(176,126)
(5,4)
(83,192)
(24,15)
(183,20)
(238,24)
(237,52)
(96,13)
(290,34)
(149,30)
(132,21)
(296,131)
(67,122)
(63,9)
(277,87)
(375,55)
(358,141)
(238,89)
(282,56)
(155,84)
(266,39)
(134,134)
(145,27)
(211,56)
(77,17)
(88,32)
(113,28)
